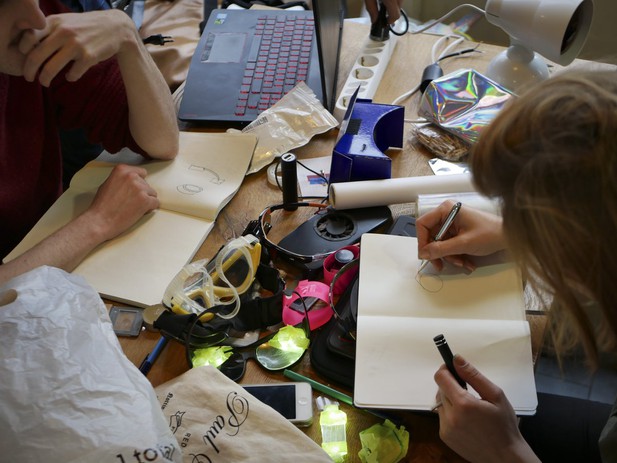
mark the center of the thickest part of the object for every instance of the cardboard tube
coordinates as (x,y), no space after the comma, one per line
(369,193)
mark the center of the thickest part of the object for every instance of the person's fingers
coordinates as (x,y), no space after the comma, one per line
(448,386)
(27,42)
(394,12)
(371,8)
(482,385)
(52,67)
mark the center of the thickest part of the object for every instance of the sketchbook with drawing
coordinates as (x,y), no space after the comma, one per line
(137,266)
(482,316)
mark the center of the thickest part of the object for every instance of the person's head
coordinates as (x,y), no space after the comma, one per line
(16,17)
(551,157)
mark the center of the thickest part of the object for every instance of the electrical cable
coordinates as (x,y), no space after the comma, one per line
(276,179)
(404,31)
(452,11)
(433,70)
(445,53)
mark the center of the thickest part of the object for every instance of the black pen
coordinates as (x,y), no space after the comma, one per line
(446,354)
(444,228)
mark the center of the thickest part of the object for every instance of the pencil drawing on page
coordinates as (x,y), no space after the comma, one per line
(216,178)
(429,281)
(192,189)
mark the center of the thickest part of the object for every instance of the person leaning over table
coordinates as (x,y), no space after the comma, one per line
(551,159)
(68,70)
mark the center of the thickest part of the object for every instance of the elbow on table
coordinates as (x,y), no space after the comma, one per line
(164,148)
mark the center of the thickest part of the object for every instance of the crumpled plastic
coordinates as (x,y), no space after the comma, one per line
(288,124)
(463,103)
(68,393)
(384,443)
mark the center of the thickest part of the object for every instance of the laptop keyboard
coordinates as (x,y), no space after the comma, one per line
(279,58)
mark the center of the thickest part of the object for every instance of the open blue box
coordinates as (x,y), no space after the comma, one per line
(368,130)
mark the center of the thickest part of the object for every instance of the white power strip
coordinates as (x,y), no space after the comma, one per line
(366,72)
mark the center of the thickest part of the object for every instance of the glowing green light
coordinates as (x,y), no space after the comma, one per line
(333,433)
(214,356)
(290,339)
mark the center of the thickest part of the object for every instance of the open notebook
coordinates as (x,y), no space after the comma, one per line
(137,266)
(482,316)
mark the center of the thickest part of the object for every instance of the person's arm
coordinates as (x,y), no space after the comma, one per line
(82,40)
(392,6)
(479,430)
(119,202)
(473,233)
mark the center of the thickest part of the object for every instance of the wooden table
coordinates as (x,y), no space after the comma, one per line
(412,54)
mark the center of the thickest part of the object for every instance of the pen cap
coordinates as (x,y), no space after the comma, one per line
(439,340)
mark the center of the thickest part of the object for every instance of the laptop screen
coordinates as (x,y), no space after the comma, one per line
(329,29)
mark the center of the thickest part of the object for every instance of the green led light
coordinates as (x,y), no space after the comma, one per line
(214,356)
(290,339)
(333,433)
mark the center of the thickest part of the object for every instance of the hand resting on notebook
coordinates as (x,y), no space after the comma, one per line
(87,71)
(119,202)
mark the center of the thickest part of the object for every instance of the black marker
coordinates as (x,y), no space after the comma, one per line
(446,354)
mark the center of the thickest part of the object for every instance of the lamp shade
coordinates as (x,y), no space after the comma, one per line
(556,29)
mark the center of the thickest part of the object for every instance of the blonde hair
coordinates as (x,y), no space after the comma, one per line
(551,157)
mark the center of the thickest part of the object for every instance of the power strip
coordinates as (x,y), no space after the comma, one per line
(366,72)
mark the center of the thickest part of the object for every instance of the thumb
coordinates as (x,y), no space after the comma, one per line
(471,375)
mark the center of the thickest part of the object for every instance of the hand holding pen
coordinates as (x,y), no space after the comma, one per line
(471,233)
(444,229)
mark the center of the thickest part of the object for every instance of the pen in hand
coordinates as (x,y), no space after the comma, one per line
(444,229)
(448,358)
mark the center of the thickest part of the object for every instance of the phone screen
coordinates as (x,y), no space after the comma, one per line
(280,397)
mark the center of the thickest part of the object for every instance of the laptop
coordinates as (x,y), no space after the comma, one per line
(246,60)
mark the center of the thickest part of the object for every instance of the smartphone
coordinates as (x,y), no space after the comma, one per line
(292,400)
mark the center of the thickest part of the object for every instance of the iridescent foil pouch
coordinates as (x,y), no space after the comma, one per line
(463,103)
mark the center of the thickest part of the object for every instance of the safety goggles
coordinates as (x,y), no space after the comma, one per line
(216,283)
(276,351)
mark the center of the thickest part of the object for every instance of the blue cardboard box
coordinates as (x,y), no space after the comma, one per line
(369,131)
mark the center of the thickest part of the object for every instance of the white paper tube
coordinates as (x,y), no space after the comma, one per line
(427,203)
(369,193)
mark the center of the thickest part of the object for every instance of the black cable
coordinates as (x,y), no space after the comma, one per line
(158,39)
(280,187)
(394,31)
(458,53)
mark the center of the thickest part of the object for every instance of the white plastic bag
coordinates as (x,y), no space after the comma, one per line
(68,393)
(288,124)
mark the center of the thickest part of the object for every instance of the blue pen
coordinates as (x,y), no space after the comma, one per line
(152,356)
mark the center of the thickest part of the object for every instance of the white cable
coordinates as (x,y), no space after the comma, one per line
(406,94)
(414,90)
(438,43)
(452,11)
(458,40)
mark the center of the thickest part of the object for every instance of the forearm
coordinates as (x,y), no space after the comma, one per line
(520,453)
(152,116)
(64,249)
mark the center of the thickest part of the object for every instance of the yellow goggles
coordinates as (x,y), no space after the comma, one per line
(205,284)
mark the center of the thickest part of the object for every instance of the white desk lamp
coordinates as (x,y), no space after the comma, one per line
(555,29)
